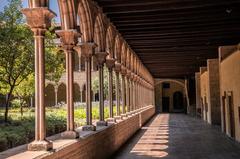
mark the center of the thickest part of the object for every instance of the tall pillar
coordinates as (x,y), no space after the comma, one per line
(87,52)
(110,63)
(117,70)
(56,95)
(101,58)
(128,98)
(39,20)
(123,72)
(69,39)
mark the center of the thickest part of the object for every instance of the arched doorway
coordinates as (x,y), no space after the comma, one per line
(178,101)
(61,93)
(76,93)
(50,95)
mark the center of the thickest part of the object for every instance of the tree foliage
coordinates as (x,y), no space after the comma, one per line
(16,50)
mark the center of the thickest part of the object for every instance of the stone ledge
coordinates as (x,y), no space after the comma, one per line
(92,144)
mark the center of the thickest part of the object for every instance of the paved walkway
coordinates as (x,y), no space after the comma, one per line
(178,136)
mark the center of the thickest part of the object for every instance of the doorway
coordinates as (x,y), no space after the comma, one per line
(178,101)
(165,104)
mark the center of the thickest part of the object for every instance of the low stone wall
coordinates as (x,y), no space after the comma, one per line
(103,143)
(99,144)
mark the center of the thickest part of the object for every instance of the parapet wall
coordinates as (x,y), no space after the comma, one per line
(100,144)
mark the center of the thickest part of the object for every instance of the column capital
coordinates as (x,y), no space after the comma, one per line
(128,74)
(101,57)
(38,18)
(123,70)
(87,49)
(110,63)
(133,76)
(68,38)
(117,67)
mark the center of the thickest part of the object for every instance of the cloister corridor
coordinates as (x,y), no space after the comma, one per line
(179,136)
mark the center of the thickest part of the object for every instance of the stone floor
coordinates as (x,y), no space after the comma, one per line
(178,136)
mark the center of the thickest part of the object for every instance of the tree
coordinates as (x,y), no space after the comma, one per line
(16,50)
(24,91)
(95,83)
(54,58)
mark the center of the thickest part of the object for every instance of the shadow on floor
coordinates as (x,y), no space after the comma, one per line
(178,136)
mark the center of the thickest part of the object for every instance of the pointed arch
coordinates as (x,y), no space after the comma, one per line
(123,53)
(99,33)
(86,15)
(110,40)
(68,12)
(118,47)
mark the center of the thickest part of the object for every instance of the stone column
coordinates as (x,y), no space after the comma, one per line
(56,95)
(69,39)
(87,52)
(123,72)
(39,19)
(101,58)
(117,69)
(131,95)
(128,92)
(110,63)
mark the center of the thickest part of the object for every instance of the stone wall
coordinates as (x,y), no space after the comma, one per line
(210,91)
(105,142)
(214,91)
(168,92)
(230,88)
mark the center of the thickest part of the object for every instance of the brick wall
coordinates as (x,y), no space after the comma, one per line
(104,143)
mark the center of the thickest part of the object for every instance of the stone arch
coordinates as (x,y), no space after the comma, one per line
(118,47)
(50,95)
(99,33)
(180,83)
(61,93)
(86,14)
(170,80)
(123,54)
(68,10)
(76,93)
(110,42)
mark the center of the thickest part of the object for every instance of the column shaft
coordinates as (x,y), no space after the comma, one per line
(69,88)
(101,92)
(110,92)
(118,93)
(123,95)
(88,65)
(40,130)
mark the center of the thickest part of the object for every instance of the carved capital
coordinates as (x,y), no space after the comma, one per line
(110,63)
(128,74)
(68,38)
(40,17)
(87,49)
(101,57)
(117,67)
(123,70)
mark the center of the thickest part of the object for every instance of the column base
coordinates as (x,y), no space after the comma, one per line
(89,128)
(129,114)
(118,117)
(111,120)
(43,145)
(124,116)
(70,135)
(101,123)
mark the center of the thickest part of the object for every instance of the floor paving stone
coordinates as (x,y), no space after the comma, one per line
(179,136)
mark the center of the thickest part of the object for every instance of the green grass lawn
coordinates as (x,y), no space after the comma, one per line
(20,129)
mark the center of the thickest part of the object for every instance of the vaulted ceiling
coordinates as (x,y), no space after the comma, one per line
(174,37)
